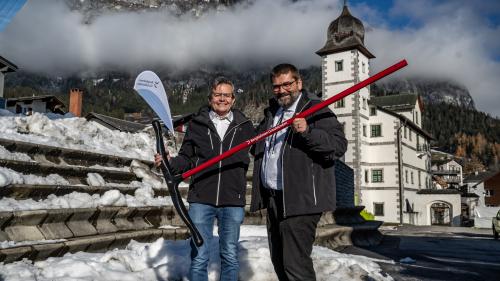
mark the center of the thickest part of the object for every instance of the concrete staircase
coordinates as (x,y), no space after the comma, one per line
(39,234)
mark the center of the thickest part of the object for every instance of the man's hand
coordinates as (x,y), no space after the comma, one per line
(299,125)
(158,158)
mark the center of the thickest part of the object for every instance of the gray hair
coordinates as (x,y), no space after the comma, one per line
(218,81)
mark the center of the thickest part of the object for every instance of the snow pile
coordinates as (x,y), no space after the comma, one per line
(143,196)
(94,179)
(5,154)
(76,133)
(10,176)
(10,244)
(169,260)
(5,179)
(143,172)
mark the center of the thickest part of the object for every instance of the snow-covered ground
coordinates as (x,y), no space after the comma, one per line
(169,260)
(75,133)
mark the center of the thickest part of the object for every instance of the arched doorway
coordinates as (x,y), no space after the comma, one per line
(441,213)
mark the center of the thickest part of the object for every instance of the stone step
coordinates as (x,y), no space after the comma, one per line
(54,224)
(57,155)
(74,174)
(92,243)
(38,192)
(51,224)
(330,236)
(364,233)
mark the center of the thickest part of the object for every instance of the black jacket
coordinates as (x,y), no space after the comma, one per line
(308,161)
(223,184)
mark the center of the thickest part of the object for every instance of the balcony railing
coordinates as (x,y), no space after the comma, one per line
(422,148)
(445,172)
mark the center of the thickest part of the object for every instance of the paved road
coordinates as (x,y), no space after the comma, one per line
(441,253)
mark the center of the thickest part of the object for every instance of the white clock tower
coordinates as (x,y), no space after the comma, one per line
(345,62)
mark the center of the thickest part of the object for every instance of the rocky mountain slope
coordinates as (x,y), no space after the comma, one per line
(433,91)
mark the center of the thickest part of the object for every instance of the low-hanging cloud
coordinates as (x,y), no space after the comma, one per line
(448,40)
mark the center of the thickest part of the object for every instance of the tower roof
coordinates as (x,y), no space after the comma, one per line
(345,33)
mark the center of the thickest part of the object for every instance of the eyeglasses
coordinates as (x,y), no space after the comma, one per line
(286,86)
(224,95)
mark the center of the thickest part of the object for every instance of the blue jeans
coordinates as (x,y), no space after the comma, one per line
(229,220)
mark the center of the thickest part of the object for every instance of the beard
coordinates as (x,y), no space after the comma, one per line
(287,99)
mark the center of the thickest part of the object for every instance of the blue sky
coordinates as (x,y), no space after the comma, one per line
(489,9)
(454,39)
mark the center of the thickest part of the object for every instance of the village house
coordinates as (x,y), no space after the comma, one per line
(5,67)
(28,105)
(486,186)
(446,173)
(387,147)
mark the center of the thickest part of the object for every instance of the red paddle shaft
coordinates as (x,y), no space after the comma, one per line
(303,114)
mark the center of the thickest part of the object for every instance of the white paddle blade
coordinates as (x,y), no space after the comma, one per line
(150,88)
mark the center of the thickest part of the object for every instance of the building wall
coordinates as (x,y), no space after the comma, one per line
(1,84)
(36,106)
(354,112)
(390,199)
(344,177)
(422,207)
(478,189)
(492,188)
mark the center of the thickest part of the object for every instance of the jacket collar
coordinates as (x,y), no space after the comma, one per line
(203,116)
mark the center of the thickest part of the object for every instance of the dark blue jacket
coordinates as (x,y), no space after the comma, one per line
(308,161)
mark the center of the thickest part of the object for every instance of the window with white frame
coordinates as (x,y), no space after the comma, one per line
(339,65)
(339,104)
(378,209)
(366,176)
(364,130)
(411,177)
(406,176)
(376,130)
(373,111)
(419,179)
(377,175)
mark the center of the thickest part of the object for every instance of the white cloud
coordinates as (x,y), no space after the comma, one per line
(450,39)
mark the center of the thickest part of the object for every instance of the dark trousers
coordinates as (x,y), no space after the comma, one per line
(290,241)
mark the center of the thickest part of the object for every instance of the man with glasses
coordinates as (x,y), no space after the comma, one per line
(218,191)
(294,173)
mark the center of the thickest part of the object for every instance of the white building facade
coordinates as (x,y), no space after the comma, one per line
(387,147)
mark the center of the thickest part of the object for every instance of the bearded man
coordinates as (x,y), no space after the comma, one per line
(294,175)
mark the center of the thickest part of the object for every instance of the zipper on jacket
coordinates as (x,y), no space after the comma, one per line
(220,152)
(283,172)
(314,184)
(218,181)
(210,136)
(282,156)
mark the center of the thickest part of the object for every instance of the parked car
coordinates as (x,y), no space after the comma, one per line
(496,225)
